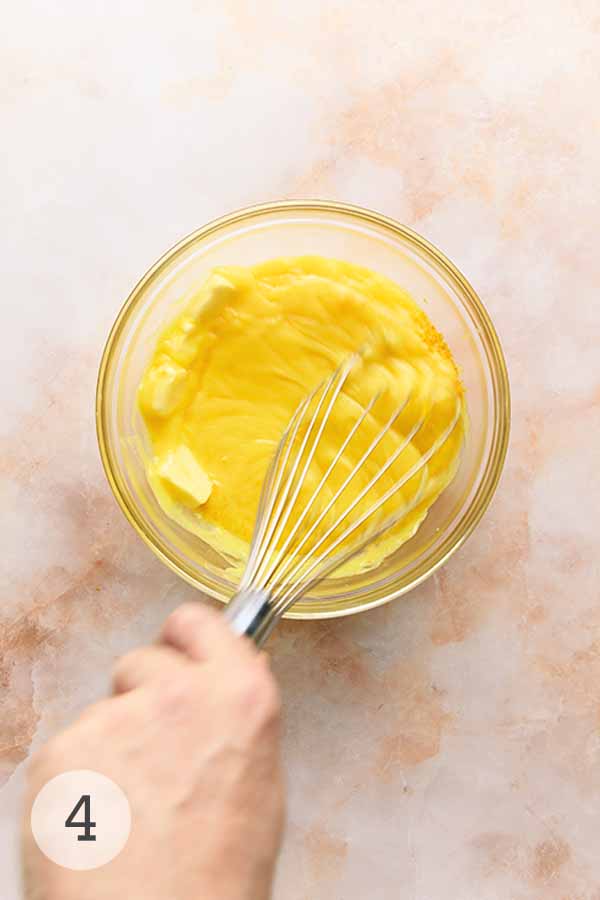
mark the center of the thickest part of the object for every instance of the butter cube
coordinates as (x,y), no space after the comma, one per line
(182,472)
(163,388)
(215,293)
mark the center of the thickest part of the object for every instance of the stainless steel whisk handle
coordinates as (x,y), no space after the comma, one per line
(251,613)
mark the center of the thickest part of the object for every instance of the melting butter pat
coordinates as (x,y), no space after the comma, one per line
(163,388)
(215,294)
(185,476)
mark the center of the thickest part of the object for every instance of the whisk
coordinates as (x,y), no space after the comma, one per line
(296,543)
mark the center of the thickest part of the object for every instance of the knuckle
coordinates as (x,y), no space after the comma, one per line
(122,668)
(180,618)
(130,659)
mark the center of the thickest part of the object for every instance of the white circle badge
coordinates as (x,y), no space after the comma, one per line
(81,819)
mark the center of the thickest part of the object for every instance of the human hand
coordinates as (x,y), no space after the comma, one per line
(191,735)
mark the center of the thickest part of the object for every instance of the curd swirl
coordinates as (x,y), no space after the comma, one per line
(248,346)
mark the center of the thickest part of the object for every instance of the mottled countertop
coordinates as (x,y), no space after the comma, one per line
(445,747)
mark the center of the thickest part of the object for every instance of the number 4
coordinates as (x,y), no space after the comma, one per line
(87,824)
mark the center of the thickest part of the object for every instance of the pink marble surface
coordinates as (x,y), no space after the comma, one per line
(447,746)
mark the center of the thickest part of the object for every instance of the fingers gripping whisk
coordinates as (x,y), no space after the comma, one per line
(340,477)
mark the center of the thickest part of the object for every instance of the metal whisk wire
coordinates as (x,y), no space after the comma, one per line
(278,573)
(280,517)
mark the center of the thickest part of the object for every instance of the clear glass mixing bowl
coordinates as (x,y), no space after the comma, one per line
(291,228)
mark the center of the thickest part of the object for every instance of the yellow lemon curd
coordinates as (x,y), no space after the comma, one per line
(247,347)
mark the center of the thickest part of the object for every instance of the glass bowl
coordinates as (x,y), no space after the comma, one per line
(292,228)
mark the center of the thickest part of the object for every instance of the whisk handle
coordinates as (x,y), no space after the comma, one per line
(251,613)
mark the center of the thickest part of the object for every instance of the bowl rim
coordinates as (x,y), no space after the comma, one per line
(500,438)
